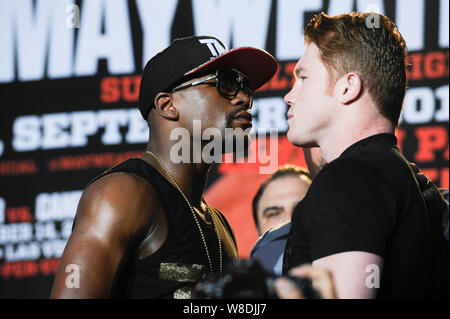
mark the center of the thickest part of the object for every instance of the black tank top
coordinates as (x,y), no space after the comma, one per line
(173,269)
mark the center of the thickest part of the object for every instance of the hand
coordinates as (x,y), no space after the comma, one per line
(321,279)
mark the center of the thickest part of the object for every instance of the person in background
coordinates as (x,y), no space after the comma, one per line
(445,217)
(273,205)
(437,199)
(278,195)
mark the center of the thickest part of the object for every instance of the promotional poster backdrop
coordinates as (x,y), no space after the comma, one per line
(69,83)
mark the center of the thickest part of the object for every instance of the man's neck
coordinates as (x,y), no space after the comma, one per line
(190,177)
(333,145)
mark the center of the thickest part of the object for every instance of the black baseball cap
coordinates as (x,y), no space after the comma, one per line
(197,55)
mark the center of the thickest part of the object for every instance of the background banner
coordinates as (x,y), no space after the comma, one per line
(69,83)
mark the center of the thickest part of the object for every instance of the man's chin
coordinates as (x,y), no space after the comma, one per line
(292,138)
(299,142)
(241,125)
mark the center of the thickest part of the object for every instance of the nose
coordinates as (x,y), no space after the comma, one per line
(242,99)
(288,98)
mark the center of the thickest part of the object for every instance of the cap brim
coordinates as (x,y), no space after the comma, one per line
(257,64)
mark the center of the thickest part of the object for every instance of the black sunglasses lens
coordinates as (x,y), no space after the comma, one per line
(246,87)
(230,83)
(227,82)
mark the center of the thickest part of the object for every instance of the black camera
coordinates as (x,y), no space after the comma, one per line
(246,279)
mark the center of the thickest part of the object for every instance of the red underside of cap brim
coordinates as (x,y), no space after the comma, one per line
(257,64)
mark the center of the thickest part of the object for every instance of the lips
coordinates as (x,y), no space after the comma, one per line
(289,115)
(242,119)
(245,115)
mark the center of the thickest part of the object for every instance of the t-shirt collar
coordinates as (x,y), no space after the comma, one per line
(382,138)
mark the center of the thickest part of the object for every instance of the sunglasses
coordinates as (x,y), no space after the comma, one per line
(228,82)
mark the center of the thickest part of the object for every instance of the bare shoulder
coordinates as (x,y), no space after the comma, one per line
(118,200)
(112,212)
(121,189)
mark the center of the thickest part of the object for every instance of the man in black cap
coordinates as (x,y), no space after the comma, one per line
(142,228)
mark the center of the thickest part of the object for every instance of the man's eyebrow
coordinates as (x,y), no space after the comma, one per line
(299,70)
(266,210)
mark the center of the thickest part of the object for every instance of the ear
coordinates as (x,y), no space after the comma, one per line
(165,107)
(350,88)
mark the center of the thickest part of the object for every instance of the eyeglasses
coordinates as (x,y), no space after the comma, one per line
(228,82)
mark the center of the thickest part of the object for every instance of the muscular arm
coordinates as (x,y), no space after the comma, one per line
(347,275)
(111,213)
(355,273)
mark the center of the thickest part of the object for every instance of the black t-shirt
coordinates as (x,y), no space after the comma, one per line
(368,200)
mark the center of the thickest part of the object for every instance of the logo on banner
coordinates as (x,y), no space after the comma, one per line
(214,46)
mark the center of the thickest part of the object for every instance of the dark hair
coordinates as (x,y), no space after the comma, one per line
(283,171)
(376,51)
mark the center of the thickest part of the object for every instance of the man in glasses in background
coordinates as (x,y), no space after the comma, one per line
(142,228)
(272,206)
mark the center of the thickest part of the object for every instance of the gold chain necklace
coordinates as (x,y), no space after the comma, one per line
(195,216)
